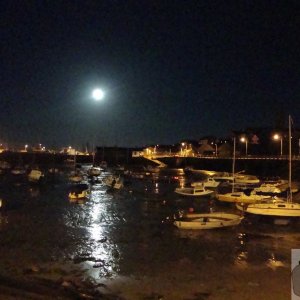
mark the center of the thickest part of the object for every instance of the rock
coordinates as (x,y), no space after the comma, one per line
(102,240)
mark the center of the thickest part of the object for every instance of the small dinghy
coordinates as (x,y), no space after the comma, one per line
(79,191)
(208,220)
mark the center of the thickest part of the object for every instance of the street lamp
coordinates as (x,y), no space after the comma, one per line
(244,140)
(216,148)
(277,137)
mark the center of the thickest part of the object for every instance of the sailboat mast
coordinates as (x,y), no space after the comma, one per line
(290,160)
(233,165)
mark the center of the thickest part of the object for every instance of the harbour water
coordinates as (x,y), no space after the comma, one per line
(122,244)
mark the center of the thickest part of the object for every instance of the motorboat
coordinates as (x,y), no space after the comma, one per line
(209,182)
(78,195)
(238,178)
(280,184)
(193,191)
(18,171)
(223,177)
(266,188)
(246,179)
(114,182)
(94,171)
(35,175)
(79,191)
(208,220)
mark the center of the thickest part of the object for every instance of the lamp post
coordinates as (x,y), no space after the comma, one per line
(277,137)
(183,151)
(216,148)
(244,140)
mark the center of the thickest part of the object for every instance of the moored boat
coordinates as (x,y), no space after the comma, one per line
(94,171)
(209,182)
(242,197)
(275,207)
(35,175)
(79,191)
(114,182)
(208,220)
(193,191)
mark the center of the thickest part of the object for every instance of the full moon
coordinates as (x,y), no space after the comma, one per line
(98,94)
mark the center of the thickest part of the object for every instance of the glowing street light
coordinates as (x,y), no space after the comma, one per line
(244,140)
(98,94)
(216,148)
(183,150)
(277,137)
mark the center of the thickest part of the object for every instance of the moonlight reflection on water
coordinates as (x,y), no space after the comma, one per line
(126,240)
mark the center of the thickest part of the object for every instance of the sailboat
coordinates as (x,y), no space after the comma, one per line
(93,170)
(75,176)
(239,197)
(277,207)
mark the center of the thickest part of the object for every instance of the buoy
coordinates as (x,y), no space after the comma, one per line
(191,209)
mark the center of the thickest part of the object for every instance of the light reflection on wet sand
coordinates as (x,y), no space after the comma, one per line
(125,239)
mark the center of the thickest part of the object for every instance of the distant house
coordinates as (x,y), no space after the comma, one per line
(137,153)
(225,150)
(206,149)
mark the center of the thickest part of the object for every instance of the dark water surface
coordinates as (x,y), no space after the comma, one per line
(125,242)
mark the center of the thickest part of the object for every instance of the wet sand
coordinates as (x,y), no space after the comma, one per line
(182,279)
(121,246)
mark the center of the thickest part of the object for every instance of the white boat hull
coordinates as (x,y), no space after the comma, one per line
(241,197)
(35,175)
(208,183)
(194,192)
(276,209)
(208,221)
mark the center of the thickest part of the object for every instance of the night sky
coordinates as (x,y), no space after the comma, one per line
(171,70)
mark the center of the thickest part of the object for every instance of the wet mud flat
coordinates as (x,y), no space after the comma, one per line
(181,273)
(123,245)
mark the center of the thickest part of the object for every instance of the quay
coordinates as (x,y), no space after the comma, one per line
(266,166)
